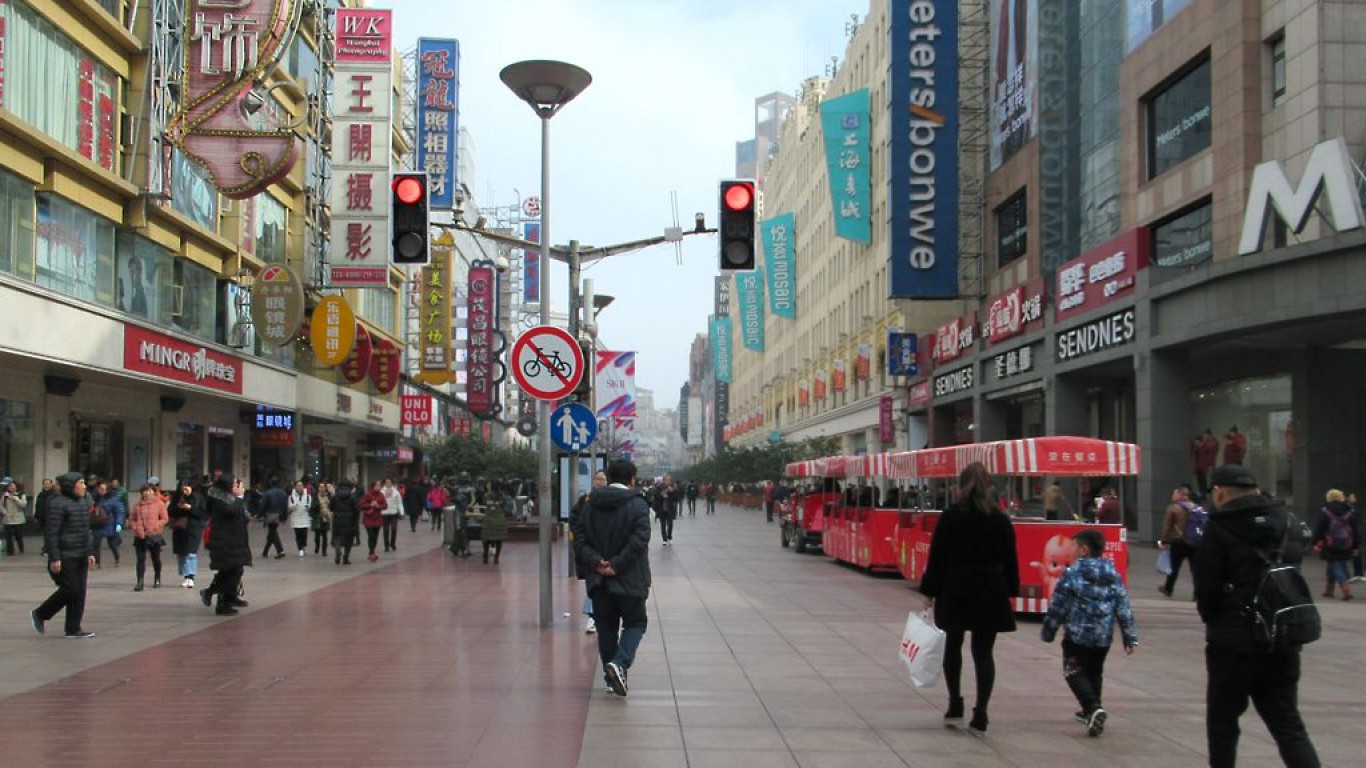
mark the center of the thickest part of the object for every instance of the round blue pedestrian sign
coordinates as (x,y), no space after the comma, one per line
(573,427)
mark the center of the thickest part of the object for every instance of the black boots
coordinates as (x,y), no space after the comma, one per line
(138,588)
(955,710)
(978,722)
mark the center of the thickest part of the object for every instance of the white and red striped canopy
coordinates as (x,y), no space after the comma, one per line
(800,469)
(1061,456)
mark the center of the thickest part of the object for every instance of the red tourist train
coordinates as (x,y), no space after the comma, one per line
(895,536)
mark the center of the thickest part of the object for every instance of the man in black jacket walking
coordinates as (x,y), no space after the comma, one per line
(1227,566)
(611,546)
(66,535)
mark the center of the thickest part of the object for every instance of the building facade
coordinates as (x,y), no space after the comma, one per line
(1172,230)
(127,279)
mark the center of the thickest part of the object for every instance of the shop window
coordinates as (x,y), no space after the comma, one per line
(194,299)
(1012,229)
(75,251)
(1278,69)
(1260,410)
(16,226)
(192,193)
(17,443)
(270,219)
(377,306)
(144,278)
(58,88)
(1186,239)
(1179,120)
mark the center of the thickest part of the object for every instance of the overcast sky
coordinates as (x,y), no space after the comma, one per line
(674,84)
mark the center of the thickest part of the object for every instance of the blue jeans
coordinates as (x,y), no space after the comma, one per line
(619,614)
(1337,571)
(189,564)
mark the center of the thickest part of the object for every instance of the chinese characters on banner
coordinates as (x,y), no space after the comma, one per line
(531,264)
(1014,76)
(277,305)
(1014,312)
(719,336)
(332,329)
(362,111)
(384,367)
(845,125)
(357,365)
(479,358)
(229,45)
(749,290)
(780,246)
(438,97)
(953,339)
(95,105)
(434,322)
(886,420)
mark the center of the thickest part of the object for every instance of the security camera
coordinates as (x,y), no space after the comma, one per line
(500,263)
(701,219)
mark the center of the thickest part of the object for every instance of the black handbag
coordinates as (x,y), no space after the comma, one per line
(155,540)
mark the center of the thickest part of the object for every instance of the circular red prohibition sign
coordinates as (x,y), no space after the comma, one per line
(547,363)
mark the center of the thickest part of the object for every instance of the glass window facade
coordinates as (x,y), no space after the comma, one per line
(270,220)
(1186,239)
(17,443)
(192,193)
(1260,409)
(377,306)
(55,86)
(75,251)
(197,289)
(144,272)
(1278,70)
(16,226)
(1012,229)
(1179,120)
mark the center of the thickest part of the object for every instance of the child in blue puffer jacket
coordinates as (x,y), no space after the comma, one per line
(1089,597)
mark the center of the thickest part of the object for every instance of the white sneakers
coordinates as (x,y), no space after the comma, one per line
(301,553)
(591,628)
(187,583)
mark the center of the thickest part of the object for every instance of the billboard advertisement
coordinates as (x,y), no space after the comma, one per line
(614,394)
(438,117)
(1014,77)
(923,183)
(848,157)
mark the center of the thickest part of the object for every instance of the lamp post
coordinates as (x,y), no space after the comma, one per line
(546,86)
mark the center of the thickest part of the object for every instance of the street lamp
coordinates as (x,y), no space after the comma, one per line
(546,86)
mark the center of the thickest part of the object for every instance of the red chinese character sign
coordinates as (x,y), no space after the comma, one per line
(480,337)
(384,366)
(230,45)
(361,117)
(357,364)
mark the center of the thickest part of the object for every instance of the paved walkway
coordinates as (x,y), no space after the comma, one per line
(755,657)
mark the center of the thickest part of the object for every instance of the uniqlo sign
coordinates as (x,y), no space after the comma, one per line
(361,123)
(417,410)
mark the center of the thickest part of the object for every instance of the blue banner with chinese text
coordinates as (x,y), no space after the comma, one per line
(438,117)
(844,123)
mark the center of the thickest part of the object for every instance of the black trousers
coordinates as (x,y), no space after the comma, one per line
(1084,669)
(412,521)
(692,507)
(142,549)
(372,536)
(14,534)
(390,532)
(225,584)
(983,663)
(320,541)
(301,538)
(70,593)
(496,547)
(1181,552)
(1271,681)
(273,537)
(666,528)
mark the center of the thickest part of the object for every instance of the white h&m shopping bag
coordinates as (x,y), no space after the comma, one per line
(922,649)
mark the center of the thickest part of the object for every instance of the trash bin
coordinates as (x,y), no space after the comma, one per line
(448,526)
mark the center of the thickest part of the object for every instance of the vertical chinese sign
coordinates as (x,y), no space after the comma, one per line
(479,368)
(434,320)
(531,264)
(749,290)
(438,117)
(848,156)
(780,240)
(363,104)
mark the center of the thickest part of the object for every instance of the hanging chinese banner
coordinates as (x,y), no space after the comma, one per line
(434,320)
(332,329)
(384,366)
(479,357)
(277,305)
(357,364)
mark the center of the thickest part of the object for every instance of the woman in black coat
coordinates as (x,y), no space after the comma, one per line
(970,578)
(345,521)
(188,517)
(229,545)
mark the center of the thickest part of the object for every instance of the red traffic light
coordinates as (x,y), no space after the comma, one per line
(408,190)
(739,197)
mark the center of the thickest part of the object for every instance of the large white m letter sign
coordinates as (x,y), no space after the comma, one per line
(1330,170)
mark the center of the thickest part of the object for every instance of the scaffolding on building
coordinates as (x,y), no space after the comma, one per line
(974,37)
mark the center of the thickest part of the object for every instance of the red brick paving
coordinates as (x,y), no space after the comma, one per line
(430,661)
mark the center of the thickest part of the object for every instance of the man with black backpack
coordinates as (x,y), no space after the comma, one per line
(1257,613)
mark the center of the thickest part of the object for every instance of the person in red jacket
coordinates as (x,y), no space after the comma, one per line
(1235,446)
(1204,453)
(372,506)
(148,521)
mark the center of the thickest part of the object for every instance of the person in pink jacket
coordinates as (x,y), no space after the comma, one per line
(148,521)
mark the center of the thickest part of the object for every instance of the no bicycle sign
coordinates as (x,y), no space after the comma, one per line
(547,363)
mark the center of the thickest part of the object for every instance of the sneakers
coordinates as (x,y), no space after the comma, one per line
(616,678)
(187,583)
(301,553)
(1080,717)
(279,555)
(1096,722)
(37,623)
(82,635)
(591,628)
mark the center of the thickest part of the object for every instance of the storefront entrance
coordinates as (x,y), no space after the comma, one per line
(97,449)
